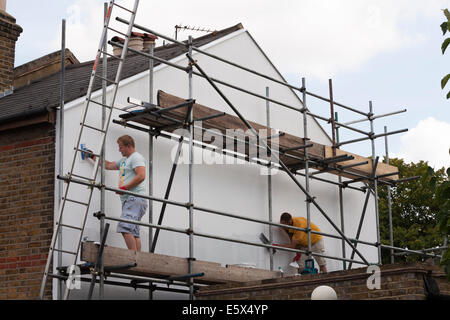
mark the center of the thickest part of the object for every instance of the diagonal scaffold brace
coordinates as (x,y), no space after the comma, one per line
(98,262)
(290,174)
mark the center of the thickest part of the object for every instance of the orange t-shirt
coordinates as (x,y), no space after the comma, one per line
(302,236)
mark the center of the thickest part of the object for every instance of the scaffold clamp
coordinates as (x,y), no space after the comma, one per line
(99,215)
(192,63)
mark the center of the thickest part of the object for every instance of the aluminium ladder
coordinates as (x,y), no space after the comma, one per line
(80,199)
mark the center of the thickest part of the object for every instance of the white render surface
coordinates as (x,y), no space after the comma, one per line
(235,188)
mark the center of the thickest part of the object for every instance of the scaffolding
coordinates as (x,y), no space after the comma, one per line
(331,164)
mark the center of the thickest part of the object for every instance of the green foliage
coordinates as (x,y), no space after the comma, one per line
(441,190)
(416,210)
(445,80)
(445,26)
(445,45)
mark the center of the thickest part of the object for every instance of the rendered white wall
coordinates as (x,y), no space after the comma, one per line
(236,188)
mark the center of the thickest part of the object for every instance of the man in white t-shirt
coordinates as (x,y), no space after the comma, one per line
(132,178)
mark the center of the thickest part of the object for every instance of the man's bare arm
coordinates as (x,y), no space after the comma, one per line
(111,165)
(140,176)
(293,245)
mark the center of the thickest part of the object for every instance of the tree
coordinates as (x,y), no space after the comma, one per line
(445,26)
(415,210)
(442,197)
(443,189)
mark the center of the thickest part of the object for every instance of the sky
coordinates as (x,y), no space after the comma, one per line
(383,51)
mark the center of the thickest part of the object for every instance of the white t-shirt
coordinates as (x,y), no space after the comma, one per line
(126,172)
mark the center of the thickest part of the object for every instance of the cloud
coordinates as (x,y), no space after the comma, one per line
(84,24)
(307,37)
(304,37)
(428,141)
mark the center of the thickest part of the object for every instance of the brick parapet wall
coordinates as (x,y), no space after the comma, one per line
(27,173)
(398,282)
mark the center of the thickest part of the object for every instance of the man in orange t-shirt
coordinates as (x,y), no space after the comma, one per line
(299,239)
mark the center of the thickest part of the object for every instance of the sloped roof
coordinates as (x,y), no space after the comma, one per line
(42,67)
(43,95)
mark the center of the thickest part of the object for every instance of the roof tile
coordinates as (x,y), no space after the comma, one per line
(43,95)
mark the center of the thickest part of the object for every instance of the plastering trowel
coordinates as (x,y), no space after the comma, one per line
(264,240)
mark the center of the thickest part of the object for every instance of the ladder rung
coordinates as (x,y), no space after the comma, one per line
(72,227)
(91,127)
(85,151)
(122,7)
(111,55)
(65,251)
(99,103)
(75,201)
(119,32)
(105,79)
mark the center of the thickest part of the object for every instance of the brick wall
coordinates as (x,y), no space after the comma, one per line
(398,282)
(27,166)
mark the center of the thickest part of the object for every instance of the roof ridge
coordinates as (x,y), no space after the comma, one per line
(43,93)
(168,46)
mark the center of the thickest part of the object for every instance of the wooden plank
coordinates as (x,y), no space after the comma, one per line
(233,122)
(159,265)
(316,152)
(382,168)
(222,124)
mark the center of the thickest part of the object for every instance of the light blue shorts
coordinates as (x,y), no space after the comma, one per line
(134,209)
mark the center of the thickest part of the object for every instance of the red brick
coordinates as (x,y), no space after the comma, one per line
(27,166)
(24,264)
(400,282)
(34,257)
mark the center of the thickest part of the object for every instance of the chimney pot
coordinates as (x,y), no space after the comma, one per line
(136,42)
(117,51)
(148,39)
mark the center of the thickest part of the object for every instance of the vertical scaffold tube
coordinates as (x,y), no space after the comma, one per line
(305,137)
(191,193)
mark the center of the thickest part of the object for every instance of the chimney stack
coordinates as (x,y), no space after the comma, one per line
(9,33)
(138,41)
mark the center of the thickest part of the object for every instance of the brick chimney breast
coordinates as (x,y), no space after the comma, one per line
(9,33)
